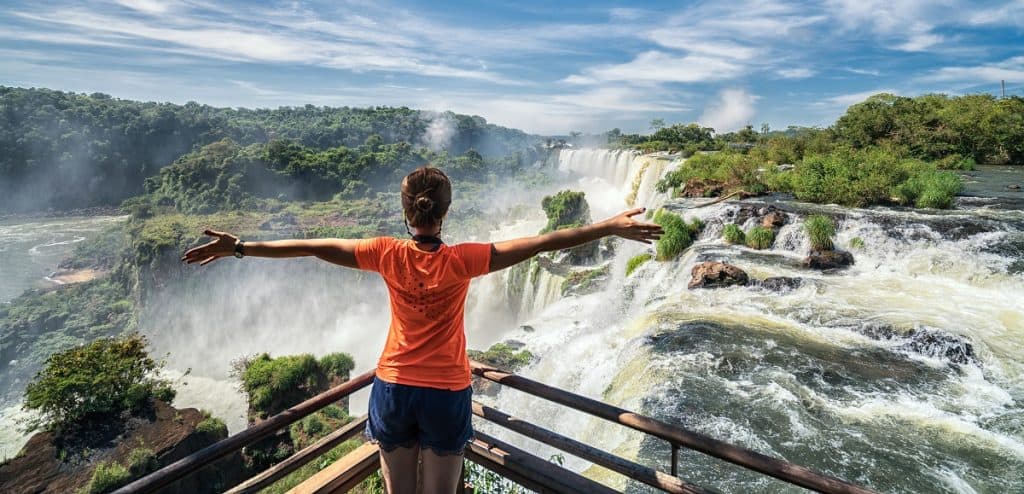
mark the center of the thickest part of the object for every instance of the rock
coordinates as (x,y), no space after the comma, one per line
(781,284)
(828,259)
(65,463)
(773,219)
(713,274)
(925,341)
(1013,187)
(527,328)
(696,187)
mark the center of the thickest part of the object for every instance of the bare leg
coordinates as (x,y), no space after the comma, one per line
(440,473)
(399,468)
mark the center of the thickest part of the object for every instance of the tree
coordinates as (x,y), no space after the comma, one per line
(98,381)
(657,124)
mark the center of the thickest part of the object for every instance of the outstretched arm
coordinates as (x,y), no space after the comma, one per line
(511,252)
(335,250)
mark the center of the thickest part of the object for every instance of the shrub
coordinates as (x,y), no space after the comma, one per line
(106,477)
(212,425)
(820,230)
(677,236)
(502,356)
(337,364)
(566,209)
(107,377)
(871,176)
(760,237)
(141,461)
(266,378)
(733,234)
(856,243)
(637,261)
(734,170)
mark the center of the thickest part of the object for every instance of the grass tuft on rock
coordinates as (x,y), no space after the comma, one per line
(733,234)
(760,238)
(678,235)
(820,230)
(637,261)
(502,356)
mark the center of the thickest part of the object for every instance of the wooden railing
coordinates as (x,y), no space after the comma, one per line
(491,453)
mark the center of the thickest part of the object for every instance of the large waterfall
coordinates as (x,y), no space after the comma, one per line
(904,372)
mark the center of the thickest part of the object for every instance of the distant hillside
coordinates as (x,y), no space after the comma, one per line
(65,150)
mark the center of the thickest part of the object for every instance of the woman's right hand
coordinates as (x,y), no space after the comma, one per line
(623,225)
(223,245)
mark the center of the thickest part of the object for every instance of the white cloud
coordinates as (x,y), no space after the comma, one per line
(733,109)
(871,72)
(1010,70)
(905,25)
(795,73)
(845,100)
(659,66)
(1011,13)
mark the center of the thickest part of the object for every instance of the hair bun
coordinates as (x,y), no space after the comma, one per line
(424,203)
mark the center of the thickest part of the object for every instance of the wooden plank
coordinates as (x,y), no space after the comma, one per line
(635,471)
(363,460)
(209,454)
(780,469)
(296,461)
(529,470)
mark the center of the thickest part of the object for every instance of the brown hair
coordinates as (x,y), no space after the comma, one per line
(426,195)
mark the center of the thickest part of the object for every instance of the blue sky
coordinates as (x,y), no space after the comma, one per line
(542,66)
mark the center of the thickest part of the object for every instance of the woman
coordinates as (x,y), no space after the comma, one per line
(420,401)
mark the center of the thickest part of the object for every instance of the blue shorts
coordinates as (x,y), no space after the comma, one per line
(404,416)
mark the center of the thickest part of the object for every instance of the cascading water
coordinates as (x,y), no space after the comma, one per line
(904,372)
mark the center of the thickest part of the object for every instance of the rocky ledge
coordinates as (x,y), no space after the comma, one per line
(65,463)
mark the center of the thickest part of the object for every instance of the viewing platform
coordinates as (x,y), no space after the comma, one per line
(512,463)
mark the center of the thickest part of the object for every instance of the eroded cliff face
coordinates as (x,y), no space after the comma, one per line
(65,463)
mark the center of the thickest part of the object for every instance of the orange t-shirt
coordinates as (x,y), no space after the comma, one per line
(426,343)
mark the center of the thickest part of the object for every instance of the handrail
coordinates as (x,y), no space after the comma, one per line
(298,460)
(207,455)
(647,475)
(780,469)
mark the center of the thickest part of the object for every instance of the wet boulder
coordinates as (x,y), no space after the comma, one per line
(828,259)
(698,187)
(714,274)
(781,284)
(924,341)
(773,219)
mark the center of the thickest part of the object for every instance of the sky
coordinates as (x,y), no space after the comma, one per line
(541,66)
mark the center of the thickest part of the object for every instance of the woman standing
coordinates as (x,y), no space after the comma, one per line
(420,403)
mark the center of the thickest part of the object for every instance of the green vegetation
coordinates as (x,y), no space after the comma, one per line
(820,230)
(733,234)
(861,178)
(566,209)
(110,476)
(308,470)
(678,235)
(213,426)
(38,324)
(99,381)
(636,261)
(274,384)
(856,243)
(68,150)
(685,138)
(760,238)
(106,478)
(584,281)
(885,150)
(502,356)
(731,170)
